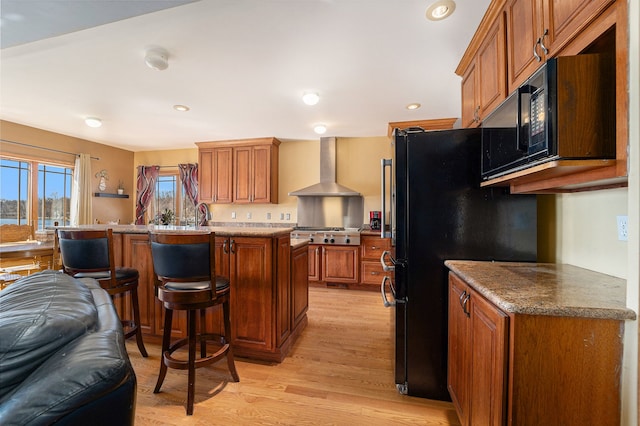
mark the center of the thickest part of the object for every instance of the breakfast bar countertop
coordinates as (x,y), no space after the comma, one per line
(546,289)
(224,231)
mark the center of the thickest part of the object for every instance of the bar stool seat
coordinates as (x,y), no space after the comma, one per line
(185,265)
(89,254)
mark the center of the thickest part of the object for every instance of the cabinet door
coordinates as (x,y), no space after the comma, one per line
(283,291)
(524,27)
(206,173)
(459,348)
(469,102)
(491,86)
(251,293)
(340,264)
(314,262)
(242,176)
(488,360)
(299,284)
(261,173)
(563,19)
(223,175)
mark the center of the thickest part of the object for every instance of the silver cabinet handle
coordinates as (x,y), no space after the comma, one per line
(535,52)
(386,301)
(385,266)
(541,40)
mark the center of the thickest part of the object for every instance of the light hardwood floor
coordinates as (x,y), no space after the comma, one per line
(338,373)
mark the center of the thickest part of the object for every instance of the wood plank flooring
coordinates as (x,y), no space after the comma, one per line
(339,372)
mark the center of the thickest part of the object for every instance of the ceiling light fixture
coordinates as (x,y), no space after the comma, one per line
(440,10)
(181,108)
(413,106)
(320,129)
(93,122)
(157,59)
(310,98)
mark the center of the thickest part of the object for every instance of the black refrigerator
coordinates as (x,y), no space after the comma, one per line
(438,211)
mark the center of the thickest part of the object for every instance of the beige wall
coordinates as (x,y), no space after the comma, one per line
(117,163)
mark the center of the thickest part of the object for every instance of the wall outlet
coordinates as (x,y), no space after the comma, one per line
(268,216)
(281,216)
(623,228)
(233,215)
(248,215)
(288,216)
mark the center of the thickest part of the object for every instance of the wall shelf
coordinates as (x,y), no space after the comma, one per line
(109,195)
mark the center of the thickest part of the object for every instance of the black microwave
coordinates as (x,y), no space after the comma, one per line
(565,110)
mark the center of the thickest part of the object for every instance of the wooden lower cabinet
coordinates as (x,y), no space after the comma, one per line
(371,249)
(299,285)
(354,267)
(519,369)
(259,271)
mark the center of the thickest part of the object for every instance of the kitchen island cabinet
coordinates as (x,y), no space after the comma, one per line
(534,344)
(267,314)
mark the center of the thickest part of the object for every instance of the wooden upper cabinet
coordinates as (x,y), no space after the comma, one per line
(483,78)
(538,29)
(524,53)
(240,171)
(215,178)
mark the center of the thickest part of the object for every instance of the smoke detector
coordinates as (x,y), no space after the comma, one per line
(157,59)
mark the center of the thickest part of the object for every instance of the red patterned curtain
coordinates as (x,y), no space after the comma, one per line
(146,186)
(189,178)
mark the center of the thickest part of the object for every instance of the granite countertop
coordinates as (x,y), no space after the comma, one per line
(299,242)
(225,231)
(546,289)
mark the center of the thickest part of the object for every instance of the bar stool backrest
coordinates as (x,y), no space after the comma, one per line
(87,252)
(184,257)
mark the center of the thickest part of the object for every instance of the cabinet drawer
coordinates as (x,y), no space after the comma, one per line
(371,272)
(373,247)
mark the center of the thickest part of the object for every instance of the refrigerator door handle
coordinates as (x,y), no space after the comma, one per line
(385,300)
(385,266)
(384,163)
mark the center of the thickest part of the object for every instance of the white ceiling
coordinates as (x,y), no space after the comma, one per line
(240,65)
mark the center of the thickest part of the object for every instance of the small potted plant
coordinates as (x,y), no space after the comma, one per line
(120,187)
(164,218)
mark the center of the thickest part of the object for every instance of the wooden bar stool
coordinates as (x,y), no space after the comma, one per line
(89,254)
(185,265)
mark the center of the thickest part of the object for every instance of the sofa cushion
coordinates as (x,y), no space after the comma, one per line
(39,314)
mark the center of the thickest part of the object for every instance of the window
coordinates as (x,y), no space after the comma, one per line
(41,199)
(54,195)
(170,195)
(14,201)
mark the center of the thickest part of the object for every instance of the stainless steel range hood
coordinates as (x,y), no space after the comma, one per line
(328,187)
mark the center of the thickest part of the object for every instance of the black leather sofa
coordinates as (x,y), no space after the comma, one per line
(62,354)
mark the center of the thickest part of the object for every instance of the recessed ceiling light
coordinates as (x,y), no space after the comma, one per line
(440,10)
(181,108)
(413,106)
(320,129)
(310,98)
(93,122)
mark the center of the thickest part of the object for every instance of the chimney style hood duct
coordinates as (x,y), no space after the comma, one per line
(328,187)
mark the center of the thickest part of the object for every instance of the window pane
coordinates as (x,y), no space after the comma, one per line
(54,195)
(166,194)
(14,187)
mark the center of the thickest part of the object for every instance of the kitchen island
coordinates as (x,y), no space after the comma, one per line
(534,344)
(268,307)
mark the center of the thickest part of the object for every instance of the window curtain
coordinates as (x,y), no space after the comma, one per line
(146,187)
(189,178)
(81,202)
